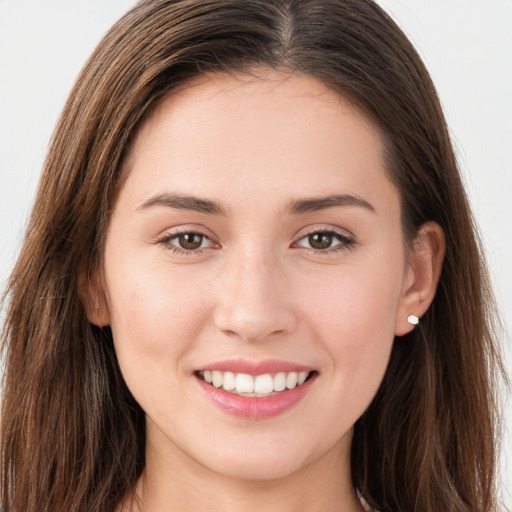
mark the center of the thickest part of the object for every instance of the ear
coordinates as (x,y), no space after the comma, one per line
(422,275)
(92,295)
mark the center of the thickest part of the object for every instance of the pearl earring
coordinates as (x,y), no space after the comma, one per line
(413,319)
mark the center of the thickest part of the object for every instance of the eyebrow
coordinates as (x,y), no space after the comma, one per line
(298,207)
(315,204)
(183,202)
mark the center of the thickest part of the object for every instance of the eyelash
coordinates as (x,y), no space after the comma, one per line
(345,242)
(167,239)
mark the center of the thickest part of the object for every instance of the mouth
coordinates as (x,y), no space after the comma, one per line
(257,386)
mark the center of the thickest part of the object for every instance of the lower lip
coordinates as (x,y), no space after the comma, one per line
(256,407)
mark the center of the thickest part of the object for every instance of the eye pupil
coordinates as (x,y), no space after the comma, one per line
(320,240)
(190,241)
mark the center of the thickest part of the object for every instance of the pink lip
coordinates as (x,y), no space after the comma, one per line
(256,407)
(255,367)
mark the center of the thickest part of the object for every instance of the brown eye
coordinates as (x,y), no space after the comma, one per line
(325,241)
(320,241)
(190,241)
(187,243)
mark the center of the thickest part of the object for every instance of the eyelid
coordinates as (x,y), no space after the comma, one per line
(184,229)
(168,235)
(347,239)
(323,228)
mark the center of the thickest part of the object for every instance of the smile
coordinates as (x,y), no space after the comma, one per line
(259,386)
(256,390)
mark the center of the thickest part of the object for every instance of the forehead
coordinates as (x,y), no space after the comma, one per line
(220,132)
(255,89)
(221,100)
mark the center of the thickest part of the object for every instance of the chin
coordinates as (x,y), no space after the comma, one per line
(258,468)
(263,459)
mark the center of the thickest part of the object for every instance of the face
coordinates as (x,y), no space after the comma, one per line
(255,242)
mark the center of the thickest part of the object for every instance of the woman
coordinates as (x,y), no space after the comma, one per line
(245,210)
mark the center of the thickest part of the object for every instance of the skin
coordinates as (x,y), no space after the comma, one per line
(256,289)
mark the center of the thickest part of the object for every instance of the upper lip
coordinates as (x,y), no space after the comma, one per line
(255,367)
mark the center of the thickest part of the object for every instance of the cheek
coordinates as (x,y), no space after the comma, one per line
(155,319)
(153,297)
(353,316)
(357,307)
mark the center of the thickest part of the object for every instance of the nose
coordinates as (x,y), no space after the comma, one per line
(254,302)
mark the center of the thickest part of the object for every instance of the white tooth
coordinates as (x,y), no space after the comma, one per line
(217,379)
(280,381)
(291,380)
(244,383)
(229,381)
(264,383)
(207,376)
(302,377)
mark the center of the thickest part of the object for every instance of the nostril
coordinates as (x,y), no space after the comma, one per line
(254,316)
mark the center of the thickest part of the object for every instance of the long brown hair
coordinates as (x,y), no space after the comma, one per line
(72,436)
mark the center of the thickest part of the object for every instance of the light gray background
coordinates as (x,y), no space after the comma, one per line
(466,44)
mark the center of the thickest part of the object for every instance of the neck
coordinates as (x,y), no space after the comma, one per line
(172,481)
